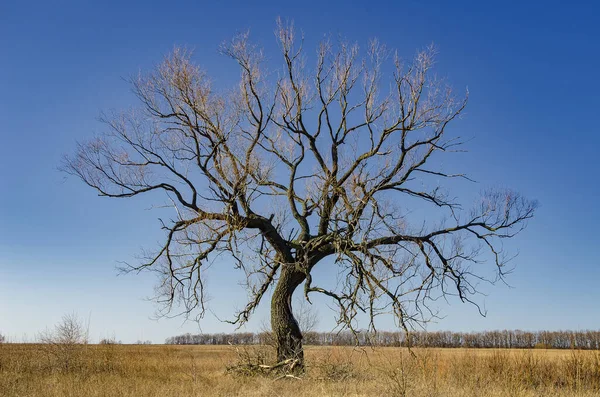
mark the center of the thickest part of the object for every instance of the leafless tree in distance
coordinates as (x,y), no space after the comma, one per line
(307,316)
(301,164)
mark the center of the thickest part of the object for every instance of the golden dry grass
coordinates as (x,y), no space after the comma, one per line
(129,370)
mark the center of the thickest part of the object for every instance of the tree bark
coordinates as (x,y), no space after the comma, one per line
(286,332)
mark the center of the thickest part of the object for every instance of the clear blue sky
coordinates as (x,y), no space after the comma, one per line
(532,73)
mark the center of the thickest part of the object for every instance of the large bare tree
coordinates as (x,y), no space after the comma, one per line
(299,164)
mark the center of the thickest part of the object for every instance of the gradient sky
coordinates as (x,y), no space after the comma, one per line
(532,73)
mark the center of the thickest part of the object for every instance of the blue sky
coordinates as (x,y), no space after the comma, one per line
(531,70)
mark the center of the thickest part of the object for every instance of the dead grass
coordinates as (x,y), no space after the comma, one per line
(130,370)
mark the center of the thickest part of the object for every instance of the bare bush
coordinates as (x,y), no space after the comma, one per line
(64,344)
(336,365)
(109,341)
(252,360)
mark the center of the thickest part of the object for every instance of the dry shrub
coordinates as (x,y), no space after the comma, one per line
(251,360)
(398,373)
(105,358)
(65,344)
(338,364)
(65,349)
(582,370)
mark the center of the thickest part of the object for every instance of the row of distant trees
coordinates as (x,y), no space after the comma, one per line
(486,339)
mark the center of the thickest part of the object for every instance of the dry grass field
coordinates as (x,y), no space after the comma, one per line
(132,370)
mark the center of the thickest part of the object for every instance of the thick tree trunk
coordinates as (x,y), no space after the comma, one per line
(286,332)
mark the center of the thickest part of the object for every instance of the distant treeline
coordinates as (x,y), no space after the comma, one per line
(486,339)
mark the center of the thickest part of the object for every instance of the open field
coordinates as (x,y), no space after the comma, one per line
(136,370)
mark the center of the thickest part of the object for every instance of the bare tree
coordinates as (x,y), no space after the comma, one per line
(64,343)
(306,315)
(69,331)
(297,165)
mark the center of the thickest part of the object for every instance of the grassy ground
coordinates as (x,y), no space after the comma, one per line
(125,370)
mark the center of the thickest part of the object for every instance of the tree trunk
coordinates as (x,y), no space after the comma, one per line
(286,332)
